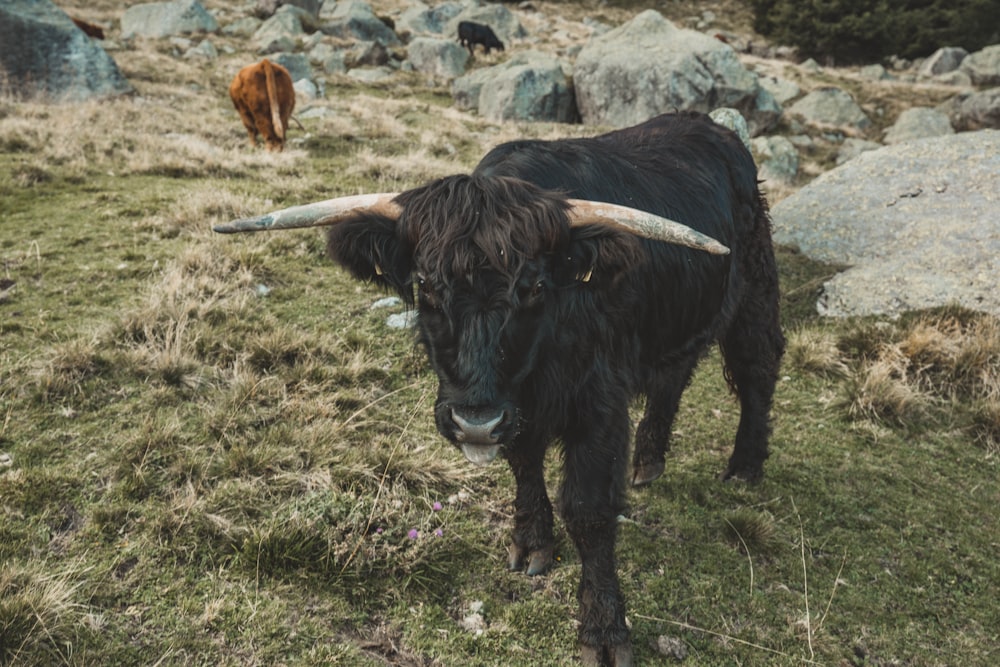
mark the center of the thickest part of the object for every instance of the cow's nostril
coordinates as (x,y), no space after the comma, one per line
(477,426)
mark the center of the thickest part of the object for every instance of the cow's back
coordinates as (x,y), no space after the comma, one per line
(681,166)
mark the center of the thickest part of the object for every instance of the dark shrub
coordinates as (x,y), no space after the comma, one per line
(857,31)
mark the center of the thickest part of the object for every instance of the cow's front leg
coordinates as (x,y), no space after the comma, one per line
(532,545)
(592,497)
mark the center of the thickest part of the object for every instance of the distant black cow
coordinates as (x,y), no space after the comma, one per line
(470,34)
(544,309)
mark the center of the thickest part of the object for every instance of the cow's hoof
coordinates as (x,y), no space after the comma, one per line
(532,562)
(607,656)
(645,474)
(744,473)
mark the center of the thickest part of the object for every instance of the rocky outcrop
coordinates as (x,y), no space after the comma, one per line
(974,111)
(830,107)
(354,19)
(163,19)
(441,59)
(916,222)
(648,66)
(983,67)
(46,57)
(943,61)
(918,123)
(530,86)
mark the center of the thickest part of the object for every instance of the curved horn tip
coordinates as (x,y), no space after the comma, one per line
(257,224)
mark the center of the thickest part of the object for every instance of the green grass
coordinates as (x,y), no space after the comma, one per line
(212,451)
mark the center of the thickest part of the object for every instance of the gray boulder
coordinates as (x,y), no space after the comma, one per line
(267,8)
(307,20)
(777,159)
(853,147)
(943,61)
(918,123)
(649,66)
(163,19)
(306,91)
(282,27)
(439,58)
(419,19)
(329,59)
(297,65)
(45,57)
(916,222)
(782,90)
(983,67)
(366,54)
(355,19)
(875,73)
(531,86)
(830,106)
(734,120)
(974,111)
(242,27)
(204,50)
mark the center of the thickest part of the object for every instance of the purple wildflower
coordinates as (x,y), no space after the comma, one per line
(437,506)
(413,534)
(438,532)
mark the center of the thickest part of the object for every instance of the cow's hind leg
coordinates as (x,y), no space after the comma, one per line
(752,348)
(652,437)
(248,122)
(533,543)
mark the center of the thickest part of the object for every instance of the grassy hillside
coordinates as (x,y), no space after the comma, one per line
(213,451)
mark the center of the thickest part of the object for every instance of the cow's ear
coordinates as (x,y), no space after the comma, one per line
(370,249)
(598,254)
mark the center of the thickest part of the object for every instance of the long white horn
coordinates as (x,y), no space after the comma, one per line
(641,223)
(328,212)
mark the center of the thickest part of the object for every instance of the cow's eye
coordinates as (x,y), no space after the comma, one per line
(534,292)
(425,289)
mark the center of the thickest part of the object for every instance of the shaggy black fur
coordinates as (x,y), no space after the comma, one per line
(540,332)
(470,34)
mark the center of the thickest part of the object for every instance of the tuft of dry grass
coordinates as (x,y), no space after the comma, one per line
(881,390)
(753,531)
(815,351)
(904,368)
(67,368)
(986,415)
(163,334)
(39,614)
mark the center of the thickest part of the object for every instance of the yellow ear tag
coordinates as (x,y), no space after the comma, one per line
(585,278)
(378,269)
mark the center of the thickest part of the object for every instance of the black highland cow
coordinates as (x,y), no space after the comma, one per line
(545,309)
(470,34)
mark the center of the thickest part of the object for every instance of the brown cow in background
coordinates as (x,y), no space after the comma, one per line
(264,96)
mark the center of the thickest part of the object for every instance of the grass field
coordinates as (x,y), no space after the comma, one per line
(213,451)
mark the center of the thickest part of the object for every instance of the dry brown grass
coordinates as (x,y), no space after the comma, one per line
(882,390)
(904,368)
(39,613)
(815,351)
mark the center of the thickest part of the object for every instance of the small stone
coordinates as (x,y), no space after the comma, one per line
(671,647)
